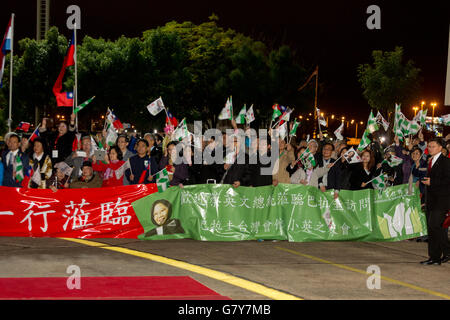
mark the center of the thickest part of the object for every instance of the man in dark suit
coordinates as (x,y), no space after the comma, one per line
(10,161)
(437,203)
(323,160)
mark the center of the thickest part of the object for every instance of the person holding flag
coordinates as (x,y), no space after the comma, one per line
(59,143)
(178,172)
(363,172)
(41,165)
(15,163)
(142,167)
(113,160)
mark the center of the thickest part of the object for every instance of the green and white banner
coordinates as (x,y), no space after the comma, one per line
(286,212)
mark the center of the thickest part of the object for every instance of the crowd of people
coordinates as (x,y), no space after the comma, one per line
(63,158)
(64,161)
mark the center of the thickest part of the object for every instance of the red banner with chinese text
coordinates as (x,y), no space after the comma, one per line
(72,213)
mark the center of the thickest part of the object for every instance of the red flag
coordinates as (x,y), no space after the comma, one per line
(65,99)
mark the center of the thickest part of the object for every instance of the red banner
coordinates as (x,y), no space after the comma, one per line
(72,213)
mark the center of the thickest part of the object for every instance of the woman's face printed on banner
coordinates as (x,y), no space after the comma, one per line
(160,213)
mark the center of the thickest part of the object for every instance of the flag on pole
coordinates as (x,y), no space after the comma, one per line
(249,115)
(393,161)
(6,46)
(111,136)
(365,141)
(81,106)
(156,107)
(293,131)
(339,131)
(307,159)
(171,119)
(227,111)
(372,124)
(121,170)
(240,119)
(162,180)
(65,99)
(446,119)
(112,119)
(379,183)
(282,130)
(18,168)
(382,121)
(423,117)
(24,126)
(35,134)
(36,175)
(351,156)
(286,115)
(181,131)
(277,111)
(322,120)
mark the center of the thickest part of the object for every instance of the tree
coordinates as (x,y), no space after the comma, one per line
(389,80)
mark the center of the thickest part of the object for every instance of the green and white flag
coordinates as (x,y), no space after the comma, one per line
(379,183)
(446,119)
(394,161)
(423,117)
(365,141)
(162,180)
(413,127)
(81,106)
(307,159)
(181,131)
(18,167)
(250,115)
(372,125)
(293,131)
(276,112)
(227,112)
(111,136)
(240,119)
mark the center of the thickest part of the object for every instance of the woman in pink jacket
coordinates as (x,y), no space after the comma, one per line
(112,162)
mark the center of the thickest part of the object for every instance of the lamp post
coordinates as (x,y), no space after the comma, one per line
(421,105)
(433,104)
(415,110)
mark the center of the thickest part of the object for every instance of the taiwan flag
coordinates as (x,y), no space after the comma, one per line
(6,46)
(65,99)
(24,126)
(170,118)
(35,134)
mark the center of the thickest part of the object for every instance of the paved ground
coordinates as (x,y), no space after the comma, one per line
(322,270)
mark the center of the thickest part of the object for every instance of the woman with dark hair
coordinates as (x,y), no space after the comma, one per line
(59,143)
(40,161)
(160,214)
(176,167)
(363,172)
(112,162)
(419,169)
(296,164)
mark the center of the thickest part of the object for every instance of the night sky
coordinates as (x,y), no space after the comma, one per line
(332,34)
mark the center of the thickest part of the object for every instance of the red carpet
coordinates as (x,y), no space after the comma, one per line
(107,288)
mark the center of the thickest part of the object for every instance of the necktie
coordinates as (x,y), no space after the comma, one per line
(429,166)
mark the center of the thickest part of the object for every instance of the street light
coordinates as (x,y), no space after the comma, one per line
(415,110)
(433,104)
(421,105)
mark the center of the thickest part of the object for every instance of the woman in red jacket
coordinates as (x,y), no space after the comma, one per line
(112,162)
